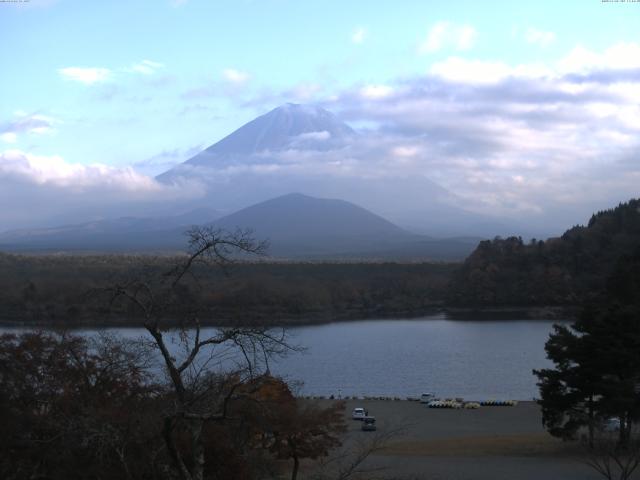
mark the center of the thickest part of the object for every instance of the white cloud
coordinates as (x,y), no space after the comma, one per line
(8,137)
(234,76)
(544,138)
(581,61)
(42,169)
(359,35)
(24,123)
(555,139)
(376,92)
(146,67)
(304,91)
(621,56)
(46,189)
(539,37)
(473,71)
(405,151)
(321,135)
(448,35)
(86,75)
(461,70)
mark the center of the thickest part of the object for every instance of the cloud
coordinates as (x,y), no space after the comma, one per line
(54,170)
(165,160)
(8,137)
(86,75)
(321,135)
(146,67)
(24,123)
(405,151)
(359,35)
(233,83)
(45,187)
(375,92)
(552,140)
(548,142)
(621,56)
(234,76)
(458,69)
(101,75)
(448,35)
(539,37)
(304,92)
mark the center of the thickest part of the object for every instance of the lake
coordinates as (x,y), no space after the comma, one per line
(482,359)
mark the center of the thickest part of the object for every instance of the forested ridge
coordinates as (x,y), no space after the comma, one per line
(501,273)
(66,290)
(563,271)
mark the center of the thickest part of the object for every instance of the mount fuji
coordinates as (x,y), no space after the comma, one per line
(246,180)
(307,149)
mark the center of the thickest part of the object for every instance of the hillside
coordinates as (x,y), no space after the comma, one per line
(304,227)
(300,225)
(560,271)
(296,226)
(125,234)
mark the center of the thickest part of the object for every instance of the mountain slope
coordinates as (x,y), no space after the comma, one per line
(299,226)
(277,130)
(120,234)
(300,216)
(291,125)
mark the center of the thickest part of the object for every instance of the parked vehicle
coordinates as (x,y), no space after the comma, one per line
(427,397)
(611,424)
(358,413)
(369,424)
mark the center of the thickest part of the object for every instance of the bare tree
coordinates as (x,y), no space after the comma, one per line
(611,458)
(202,390)
(350,463)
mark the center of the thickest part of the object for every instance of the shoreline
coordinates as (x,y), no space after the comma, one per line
(507,314)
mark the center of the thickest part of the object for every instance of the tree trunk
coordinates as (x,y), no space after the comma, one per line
(296,466)
(167,433)
(197,449)
(591,422)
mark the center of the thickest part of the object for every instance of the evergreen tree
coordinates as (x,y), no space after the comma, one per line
(597,361)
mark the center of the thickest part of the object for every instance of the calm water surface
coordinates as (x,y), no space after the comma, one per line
(472,359)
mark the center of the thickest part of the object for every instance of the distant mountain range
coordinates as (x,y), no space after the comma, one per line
(296,225)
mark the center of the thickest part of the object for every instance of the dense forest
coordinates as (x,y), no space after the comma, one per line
(501,273)
(68,289)
(563,271)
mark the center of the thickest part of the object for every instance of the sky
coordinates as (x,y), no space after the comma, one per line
(520,108)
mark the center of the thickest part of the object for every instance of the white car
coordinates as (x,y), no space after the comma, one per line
(358,413)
